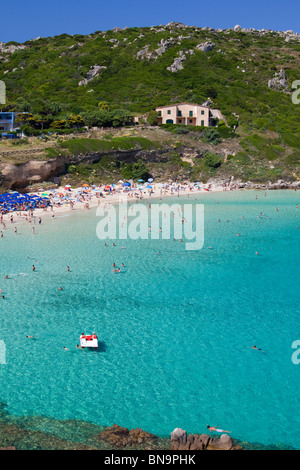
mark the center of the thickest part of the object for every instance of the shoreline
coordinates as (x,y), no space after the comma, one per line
(27,435)
(93,200)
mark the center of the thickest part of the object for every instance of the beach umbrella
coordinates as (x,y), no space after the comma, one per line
(148,186)
(150,180)
(140,181)
(126,184)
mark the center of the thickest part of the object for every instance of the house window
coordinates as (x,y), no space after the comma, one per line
(202,111)
(202,123)
(169,111)
(191,113)
(191,121)
(180,121)
(179,113)
(159,113)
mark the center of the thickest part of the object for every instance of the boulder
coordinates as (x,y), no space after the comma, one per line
(279,82)
(206,46)
(144,53)
(94,71)
(224,442)
(180,441)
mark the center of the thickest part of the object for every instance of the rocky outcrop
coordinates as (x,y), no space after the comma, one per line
(36,171)
(119,437)
(206,46)
(20,176)
(178,61)
(181,441)
(94,71)
(279,82)
(144,53)
(10,48)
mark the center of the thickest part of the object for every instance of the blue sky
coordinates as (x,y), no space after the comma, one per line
(21,21)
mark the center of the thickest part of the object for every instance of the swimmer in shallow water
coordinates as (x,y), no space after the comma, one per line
(212,428)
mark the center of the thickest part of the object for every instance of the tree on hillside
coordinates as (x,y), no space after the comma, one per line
(103,105)
(152,118)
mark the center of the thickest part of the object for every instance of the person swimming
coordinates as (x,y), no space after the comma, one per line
(257,349)
(212,428)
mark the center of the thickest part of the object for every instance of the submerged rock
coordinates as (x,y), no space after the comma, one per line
(120,437)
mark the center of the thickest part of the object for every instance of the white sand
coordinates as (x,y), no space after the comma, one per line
(91,198)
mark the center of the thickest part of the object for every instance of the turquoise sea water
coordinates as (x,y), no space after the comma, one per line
(175,329)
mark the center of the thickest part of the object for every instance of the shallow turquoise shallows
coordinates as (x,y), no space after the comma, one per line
(175,329)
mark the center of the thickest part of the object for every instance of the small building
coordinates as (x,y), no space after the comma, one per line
(7,121)
(185,113)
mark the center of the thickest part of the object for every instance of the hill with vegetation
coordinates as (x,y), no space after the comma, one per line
(103,79)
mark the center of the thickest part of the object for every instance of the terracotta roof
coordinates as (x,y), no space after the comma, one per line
(180,104)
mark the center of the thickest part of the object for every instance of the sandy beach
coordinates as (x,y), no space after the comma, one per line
(67,199)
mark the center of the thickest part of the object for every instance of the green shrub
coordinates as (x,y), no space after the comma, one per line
(212,160)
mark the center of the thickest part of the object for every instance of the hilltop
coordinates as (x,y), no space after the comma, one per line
(248,74)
